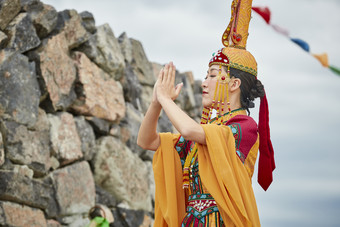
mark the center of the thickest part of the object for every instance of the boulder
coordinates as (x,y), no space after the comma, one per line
(74,188)
(69,22)
(28,147)
(21,34)
(56,83)
(8,10)
(2,152)
(129,127)
(53,223)
(12,214)
(122,173)
(186,97)
(31,192)
(98,95)
(104,197)
(23,170)
(131,87)
(20,94)
(100,126)
(131,218)
(30,5)
(44,18)
(146,97)
(103,49)
(77,220)
(151,180)
(87,137)
(88,22)
(3,40)
(65,141)
(134,54)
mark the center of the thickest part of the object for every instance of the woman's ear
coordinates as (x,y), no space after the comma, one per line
(235,83)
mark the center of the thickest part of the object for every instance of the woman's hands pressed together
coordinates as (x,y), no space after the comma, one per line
(165,85)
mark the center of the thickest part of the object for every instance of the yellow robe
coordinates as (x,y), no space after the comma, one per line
(222,173)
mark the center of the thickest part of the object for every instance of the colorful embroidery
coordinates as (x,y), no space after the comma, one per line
(236,130)
(201,206)
(182,147)
(237,133)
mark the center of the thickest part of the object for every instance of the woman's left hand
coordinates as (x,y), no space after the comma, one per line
(165,84)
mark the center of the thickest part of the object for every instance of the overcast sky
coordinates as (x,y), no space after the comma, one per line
(303,96)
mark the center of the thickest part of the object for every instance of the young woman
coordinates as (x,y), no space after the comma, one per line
(203,174)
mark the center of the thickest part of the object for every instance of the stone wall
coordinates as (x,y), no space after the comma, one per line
(72,97)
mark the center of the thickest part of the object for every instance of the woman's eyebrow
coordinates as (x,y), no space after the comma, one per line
(211,70)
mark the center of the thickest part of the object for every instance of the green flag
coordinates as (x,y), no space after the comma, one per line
(335,70)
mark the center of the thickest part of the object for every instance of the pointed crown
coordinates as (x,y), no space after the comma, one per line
(235,39)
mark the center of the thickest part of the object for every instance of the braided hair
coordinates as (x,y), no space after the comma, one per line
(251,88)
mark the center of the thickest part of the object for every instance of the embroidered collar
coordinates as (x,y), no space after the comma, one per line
(227,116)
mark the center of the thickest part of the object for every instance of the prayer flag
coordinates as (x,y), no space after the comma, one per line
(301,43)
(335,70)
(322,58)
(264,12)
(280,29)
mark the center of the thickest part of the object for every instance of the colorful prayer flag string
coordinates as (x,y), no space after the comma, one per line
(265,13)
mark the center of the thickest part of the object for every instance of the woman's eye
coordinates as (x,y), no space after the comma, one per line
(211,76)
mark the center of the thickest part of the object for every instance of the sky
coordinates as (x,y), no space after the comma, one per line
(303,96)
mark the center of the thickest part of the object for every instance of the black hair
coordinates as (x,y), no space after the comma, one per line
(251,88)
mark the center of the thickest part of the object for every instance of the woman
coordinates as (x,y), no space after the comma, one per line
(203,175)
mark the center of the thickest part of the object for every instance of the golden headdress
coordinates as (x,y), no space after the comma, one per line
(235,55)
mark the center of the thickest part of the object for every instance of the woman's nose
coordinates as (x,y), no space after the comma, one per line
(203,85)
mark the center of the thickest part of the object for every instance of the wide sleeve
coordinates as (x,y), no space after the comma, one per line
(226,178)
(169,194)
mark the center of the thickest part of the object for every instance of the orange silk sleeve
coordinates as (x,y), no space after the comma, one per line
(226,178)
(169,194)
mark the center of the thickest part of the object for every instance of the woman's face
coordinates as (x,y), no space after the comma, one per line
(209,85)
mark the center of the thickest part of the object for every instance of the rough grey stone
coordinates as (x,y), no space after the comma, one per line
(122,173)
(3,40)
(30,5)
(77,220)
(56,83)
(76,178)
(21,33)
(104,197)
(98,94)
(87,137)
(44,18)
(100,126)
(69,23)
(65,141)
(146,97)
(129,128)
(131,87)
(8,10)
(103,49)
(31,192)
(20,94)
(131,218)
(134,54)
(27,147)
(88,21)
(12,214)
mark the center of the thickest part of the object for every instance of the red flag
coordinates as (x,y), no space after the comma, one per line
(264,12)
